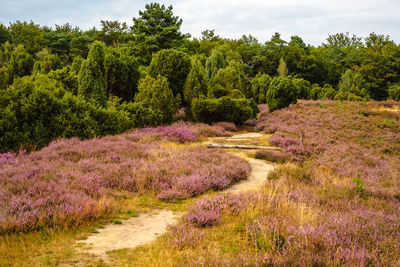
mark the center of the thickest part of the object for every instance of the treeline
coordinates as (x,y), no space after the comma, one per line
(65,82)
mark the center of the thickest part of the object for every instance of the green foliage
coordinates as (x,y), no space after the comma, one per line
(37,110)
(91,79)
(27,34)
(156,94)
(394,92)
(142,115)
(303,88)
(260,85)
(347,96)
(196,82)
(282,68)
(20,63)
(5,35)
(223,109)
(47,63)
(230,78)
(282,92)
(156,28)
(214,63)
(326,92)
(172,64)
(67,77)
(80,45)
(76,64)
(122,74)
(113,32)
(359,183)
(3,78)
(354,84)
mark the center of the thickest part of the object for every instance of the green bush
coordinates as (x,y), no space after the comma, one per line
(156,94)
(353,84)
(91,80)
(196,82)
(303,88)
(394,92)
(260,85)
(172,64)
(38,109)
(282,93)
(223,109)
(347,96)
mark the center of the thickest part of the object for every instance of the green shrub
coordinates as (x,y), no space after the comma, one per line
(260,85)
(394,92)
(223,109)
(172,64)
(91,79)
(303,88)
(282,93)
(196,82)
(156,94)
(353,85)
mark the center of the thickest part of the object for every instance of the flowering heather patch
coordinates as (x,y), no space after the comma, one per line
(70,181)
(209,210)
(227,126)
(184,236)
(346,137)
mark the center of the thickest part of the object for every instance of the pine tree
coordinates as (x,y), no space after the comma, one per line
(91,78)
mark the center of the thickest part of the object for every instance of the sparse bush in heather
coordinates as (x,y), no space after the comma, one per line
(228,126)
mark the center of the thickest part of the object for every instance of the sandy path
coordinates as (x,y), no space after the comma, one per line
(130,234)
(147,227)
(258,175)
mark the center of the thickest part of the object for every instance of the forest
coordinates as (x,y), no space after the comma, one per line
(65,82)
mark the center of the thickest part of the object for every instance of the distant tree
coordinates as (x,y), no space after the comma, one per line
(343,40)
(156,93)
(80,44)
(229,79)
(215,62)
(4,34)
(260,85)
(282,93)
(28,34)
(353,83)
(196,82)
(122,74)
(394,92)
(282,68)
(4,79)
(91,79)
(172,64)
(113,32)
(20,63)
(156,28)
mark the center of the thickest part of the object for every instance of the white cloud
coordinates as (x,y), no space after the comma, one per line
(312,20)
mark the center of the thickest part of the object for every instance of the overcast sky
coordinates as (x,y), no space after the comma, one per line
(312,20)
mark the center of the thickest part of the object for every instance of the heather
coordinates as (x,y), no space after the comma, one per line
(73,181)
(332,201)
(345,137)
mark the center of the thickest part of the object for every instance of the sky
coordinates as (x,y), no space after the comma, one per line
(312,20)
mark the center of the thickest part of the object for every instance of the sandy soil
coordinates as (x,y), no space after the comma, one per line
(130,234)
(258,176)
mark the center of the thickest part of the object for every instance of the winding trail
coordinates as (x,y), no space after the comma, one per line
(147,227)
